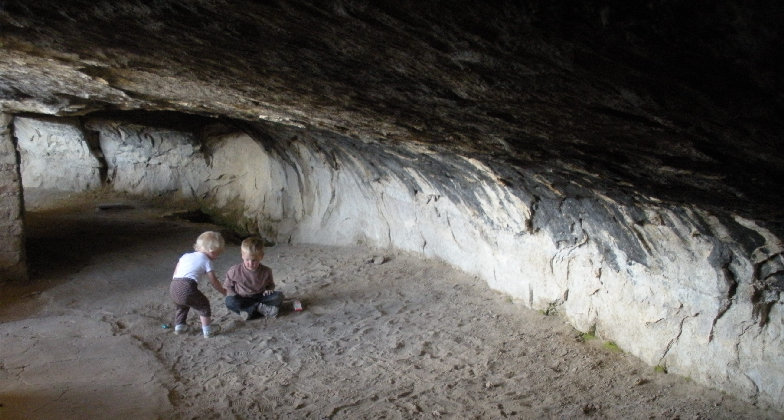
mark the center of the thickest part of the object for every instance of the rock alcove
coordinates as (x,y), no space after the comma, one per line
(621,165)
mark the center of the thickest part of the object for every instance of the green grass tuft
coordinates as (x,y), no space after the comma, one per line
(610,345)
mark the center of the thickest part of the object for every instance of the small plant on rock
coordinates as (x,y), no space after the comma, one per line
(610,345)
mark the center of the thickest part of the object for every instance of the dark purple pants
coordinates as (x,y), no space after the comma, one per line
(186,295)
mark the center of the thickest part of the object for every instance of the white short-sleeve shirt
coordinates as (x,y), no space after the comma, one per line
(192,265)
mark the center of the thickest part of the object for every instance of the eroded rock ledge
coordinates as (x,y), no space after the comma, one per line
(694,291)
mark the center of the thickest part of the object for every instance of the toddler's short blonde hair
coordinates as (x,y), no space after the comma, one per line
(209,241)
(252,246)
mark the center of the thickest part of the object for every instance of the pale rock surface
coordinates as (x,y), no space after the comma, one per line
(143,160)
(55,155)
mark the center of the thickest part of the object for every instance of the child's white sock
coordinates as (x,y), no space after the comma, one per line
(210,330)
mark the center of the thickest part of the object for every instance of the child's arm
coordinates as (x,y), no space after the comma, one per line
(270,287)
(228,285)
(215,283)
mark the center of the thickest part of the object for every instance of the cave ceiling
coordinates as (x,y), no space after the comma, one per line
(667,101)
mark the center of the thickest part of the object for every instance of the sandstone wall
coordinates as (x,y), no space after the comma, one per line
(12,251)
(680,287)
(149,161)
(55,154)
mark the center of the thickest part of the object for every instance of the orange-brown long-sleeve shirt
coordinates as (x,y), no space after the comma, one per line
(243,282)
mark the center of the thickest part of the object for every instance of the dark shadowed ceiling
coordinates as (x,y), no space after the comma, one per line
(669,100)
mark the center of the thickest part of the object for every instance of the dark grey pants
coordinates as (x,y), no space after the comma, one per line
(186,295)
(237,303)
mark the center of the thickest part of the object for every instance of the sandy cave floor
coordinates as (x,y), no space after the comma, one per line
(406,338)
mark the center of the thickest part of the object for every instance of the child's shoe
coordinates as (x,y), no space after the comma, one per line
(180,329)
(268,311)
(253,315)
(210,330)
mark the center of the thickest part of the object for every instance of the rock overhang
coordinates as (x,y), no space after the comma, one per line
(593,95)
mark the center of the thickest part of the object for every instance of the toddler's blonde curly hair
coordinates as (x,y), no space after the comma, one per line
(209,241)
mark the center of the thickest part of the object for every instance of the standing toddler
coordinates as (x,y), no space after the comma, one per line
(184,286)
